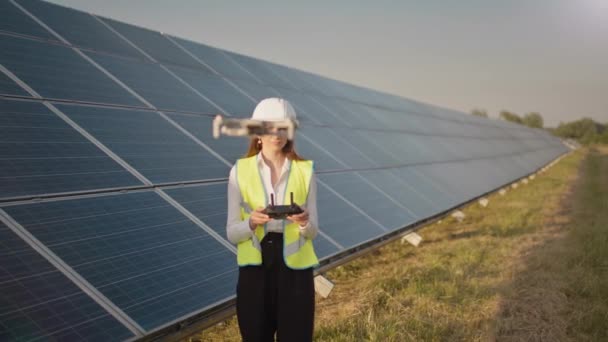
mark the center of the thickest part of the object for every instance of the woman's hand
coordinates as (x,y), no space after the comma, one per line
(258,217)
(301,219)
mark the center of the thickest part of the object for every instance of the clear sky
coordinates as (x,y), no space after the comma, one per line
(548,56)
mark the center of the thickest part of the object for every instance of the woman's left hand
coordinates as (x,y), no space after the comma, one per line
(301,219)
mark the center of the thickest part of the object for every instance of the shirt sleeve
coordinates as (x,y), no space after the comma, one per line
(311,229)
(237,230)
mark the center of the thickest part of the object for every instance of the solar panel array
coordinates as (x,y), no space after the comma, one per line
(113,192)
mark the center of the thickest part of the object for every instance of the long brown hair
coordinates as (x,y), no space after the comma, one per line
(289,149)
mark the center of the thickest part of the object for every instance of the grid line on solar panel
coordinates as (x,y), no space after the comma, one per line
(40,302)
(154,275)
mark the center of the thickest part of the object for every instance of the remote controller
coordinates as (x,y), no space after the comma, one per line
(280,212)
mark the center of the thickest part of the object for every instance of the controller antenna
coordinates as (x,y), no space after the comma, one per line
(272,200)
(291,197)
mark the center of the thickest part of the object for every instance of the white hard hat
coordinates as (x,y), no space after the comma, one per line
(274,109)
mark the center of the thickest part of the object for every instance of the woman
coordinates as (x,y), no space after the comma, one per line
(275,290)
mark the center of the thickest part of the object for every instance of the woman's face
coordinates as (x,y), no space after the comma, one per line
(274,142)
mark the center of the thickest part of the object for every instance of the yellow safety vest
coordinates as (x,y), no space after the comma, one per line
(298,251)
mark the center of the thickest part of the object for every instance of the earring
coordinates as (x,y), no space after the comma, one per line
(259,141)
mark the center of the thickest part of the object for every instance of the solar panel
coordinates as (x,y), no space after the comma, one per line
(347,154)
(136,249)
(149,143)
(215,59)
(375,203)
(41,154)
(38,302)
(155,85)
(100,191)
(154,44)
(232,100)
(79,28)
(258,69)
(56,71)
(352,227)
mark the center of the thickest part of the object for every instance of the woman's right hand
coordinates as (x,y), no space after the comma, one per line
(258,217)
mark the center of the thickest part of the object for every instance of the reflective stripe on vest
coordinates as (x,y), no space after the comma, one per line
(298,251)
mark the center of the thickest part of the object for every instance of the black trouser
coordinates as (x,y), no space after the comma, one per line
(274,298)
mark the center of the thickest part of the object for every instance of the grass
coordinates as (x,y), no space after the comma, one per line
(533,265)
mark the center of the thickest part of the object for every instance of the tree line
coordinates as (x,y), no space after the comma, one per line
(586,131)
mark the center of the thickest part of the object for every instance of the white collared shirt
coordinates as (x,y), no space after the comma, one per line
(237,230)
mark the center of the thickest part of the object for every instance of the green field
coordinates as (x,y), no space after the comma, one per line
(533,265)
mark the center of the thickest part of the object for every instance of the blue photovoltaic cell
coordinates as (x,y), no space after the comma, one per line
(350,227)
(309,149)
(207,202)
(56,71)
(323,247)
(149,143)
(154,84)
(373,202)
(218,90)
(216,59)
(306,113)
(312,107)
(452,177)
(155,45)
(9,87)
(360,115)
(259,70)
(339,148)
(14,20)
(79,28)
(419,205)
(289,75)
(441,196)
(369,145)
(256,90)
(139,251)
(37,302)
(41,154)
